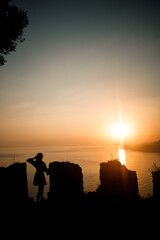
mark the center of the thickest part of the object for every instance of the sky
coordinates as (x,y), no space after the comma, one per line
(83,67)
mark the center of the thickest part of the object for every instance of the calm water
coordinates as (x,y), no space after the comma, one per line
(89,159)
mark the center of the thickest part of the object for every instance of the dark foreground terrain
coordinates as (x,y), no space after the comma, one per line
(115,209)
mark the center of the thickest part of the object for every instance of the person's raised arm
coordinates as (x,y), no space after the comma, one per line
(31,160)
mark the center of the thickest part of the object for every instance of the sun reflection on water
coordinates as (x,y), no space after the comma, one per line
(122,156)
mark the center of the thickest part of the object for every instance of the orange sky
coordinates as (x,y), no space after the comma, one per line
(70,78)
(79,119)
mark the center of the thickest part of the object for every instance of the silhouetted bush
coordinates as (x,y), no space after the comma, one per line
(116,181)
(65,179)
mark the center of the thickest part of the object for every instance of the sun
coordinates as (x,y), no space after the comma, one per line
(120,131)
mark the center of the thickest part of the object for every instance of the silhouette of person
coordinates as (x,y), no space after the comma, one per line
(39,178)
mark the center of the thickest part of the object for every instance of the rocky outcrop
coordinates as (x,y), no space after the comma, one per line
(13,183)
(66,179)
(156,184)
(116,181)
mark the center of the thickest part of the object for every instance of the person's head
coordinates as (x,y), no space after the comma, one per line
(39,157)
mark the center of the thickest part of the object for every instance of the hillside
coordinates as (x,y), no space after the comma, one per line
(147,147)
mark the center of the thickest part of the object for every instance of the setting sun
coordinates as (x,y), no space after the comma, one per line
(120,131)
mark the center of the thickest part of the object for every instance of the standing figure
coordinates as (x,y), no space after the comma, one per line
(39,178)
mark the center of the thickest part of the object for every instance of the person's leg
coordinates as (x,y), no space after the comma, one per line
(40,192)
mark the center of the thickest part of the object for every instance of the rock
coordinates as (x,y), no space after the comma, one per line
(156,184)
(66,179)
(13,183)
(117,182)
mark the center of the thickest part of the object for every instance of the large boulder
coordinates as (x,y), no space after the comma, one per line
(117,182)
(65,179)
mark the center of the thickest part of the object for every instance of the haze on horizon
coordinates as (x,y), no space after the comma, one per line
(83,66)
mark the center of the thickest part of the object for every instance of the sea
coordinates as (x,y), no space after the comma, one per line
(89,159)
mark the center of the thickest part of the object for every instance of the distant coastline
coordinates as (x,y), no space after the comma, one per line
(147,147)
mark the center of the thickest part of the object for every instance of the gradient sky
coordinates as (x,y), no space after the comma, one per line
(81,64)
